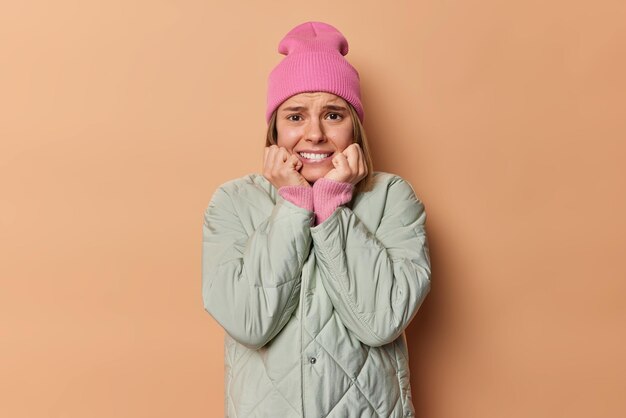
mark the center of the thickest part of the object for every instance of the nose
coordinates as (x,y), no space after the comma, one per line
(315,132)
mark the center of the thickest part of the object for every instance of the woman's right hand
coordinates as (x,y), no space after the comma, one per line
(282,168)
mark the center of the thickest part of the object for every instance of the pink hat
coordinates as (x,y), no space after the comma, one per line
(314,62)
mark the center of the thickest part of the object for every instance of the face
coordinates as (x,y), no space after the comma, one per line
(315,127)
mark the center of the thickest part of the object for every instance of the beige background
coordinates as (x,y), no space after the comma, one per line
(118,119)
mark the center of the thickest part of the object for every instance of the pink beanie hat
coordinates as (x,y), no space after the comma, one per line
(314,62)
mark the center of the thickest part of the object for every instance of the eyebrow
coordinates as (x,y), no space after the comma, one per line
(299,108)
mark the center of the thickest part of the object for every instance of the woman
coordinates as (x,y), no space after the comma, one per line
(315,268)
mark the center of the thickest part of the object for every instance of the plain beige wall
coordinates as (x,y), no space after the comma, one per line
(119,118)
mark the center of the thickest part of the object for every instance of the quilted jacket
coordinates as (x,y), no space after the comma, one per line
(315,315)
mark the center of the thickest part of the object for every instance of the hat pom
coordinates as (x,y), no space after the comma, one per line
(311,36)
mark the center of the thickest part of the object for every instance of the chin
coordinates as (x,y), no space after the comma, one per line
(313,175)
(312,180)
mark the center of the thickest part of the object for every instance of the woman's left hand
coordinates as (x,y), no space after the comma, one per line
(350,166)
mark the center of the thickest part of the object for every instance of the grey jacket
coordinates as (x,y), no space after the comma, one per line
(315,315)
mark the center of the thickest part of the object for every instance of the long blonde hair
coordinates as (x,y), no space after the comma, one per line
(358,136)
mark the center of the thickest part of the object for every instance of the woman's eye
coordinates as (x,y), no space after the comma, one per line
(290,117)
(337,116)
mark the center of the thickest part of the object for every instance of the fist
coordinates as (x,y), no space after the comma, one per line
(350,166)
(282,168)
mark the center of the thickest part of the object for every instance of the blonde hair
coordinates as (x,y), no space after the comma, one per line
(358,136)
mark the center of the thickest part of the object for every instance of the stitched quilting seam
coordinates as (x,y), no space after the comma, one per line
(337,363)
(356,385)
(247,355)
(276,388)
(339,400)
(359,389)
(313,338)
(261,399)
(359,374)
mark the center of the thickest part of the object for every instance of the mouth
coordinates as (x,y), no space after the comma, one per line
(314,157)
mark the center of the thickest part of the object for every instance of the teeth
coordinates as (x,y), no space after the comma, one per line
(312,156)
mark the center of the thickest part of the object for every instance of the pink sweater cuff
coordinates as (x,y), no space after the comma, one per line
(328,195)
(298,195)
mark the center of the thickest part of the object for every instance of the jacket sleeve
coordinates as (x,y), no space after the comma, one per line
(251,281)
(376,282)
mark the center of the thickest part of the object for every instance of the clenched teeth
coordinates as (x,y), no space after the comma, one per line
(312,156)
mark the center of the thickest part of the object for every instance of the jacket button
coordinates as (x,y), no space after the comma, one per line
(312,360)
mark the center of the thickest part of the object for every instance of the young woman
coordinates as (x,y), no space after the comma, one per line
(315,267)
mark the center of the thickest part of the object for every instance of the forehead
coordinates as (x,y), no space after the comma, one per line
(311,98)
